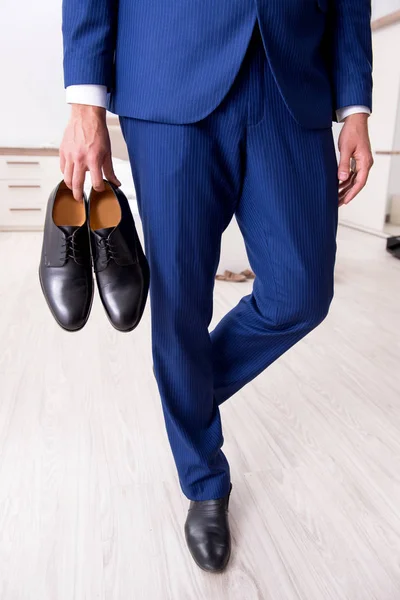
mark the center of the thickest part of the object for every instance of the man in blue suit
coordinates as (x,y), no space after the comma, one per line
(226,108)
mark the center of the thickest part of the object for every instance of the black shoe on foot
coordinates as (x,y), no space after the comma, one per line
(65,270)
(207,533)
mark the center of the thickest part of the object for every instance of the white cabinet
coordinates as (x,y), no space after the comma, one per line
(26,180)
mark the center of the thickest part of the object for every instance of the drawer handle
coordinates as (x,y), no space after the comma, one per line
(22,162)
(24,209)
(23,186)
(388,152)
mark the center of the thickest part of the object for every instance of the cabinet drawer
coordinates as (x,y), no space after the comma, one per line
(30,167)
(22,218)
(22,204)
(23,194)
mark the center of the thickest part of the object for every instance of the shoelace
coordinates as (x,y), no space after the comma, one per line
(71,250)
(108,250)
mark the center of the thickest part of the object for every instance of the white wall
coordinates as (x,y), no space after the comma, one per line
(32,103)
(369,209)
(394,177)
(381,8)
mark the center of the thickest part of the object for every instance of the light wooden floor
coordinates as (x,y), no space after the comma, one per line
(90,507)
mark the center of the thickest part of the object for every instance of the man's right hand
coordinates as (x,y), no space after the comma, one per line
(86,147)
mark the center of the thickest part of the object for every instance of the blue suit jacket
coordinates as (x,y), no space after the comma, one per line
(174,60)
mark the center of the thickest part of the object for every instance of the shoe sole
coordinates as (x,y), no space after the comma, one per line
(54,316)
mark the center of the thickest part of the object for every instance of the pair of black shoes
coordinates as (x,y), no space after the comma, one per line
(99,232)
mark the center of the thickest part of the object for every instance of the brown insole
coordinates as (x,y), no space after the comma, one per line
(105,210)
(66,210)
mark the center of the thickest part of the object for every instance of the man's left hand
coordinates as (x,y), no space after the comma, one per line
(354,144)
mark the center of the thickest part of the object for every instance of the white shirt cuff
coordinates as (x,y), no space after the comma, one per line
(342,113)
(94,95)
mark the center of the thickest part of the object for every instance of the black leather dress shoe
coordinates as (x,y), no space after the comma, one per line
(65,271)
(121,268)
(207,533)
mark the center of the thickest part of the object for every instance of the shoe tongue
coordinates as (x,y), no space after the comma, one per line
(104,233)
(68,229)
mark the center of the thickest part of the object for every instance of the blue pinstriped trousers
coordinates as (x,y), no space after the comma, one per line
(250,158)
